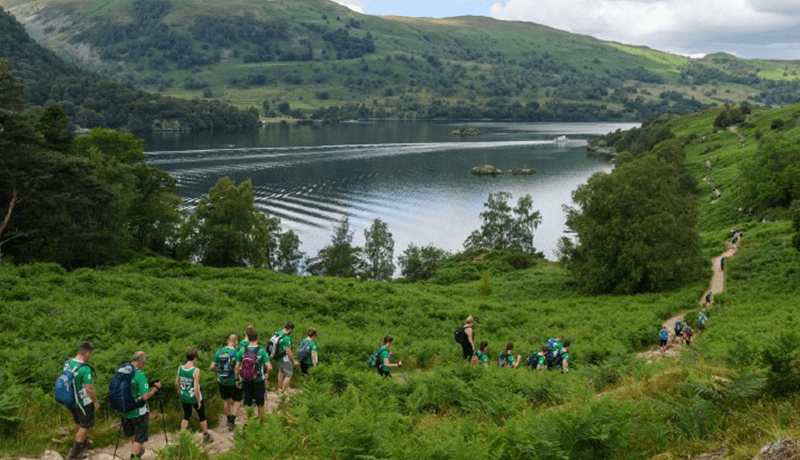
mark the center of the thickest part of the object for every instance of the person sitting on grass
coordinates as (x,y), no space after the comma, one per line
(506,359)
(480,356)
(187,383)
(663,336)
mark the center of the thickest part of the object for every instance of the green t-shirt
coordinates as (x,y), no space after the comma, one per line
(482,357)
(232,353)
(186,381)
(565,355)
(541,361)
(556,348)
(503,361)
(384,354)
(139,387)
(283,344)
(84,376)
(262,360)
(243,343)
(311,348)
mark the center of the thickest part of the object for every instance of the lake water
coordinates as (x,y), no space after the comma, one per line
(415,176)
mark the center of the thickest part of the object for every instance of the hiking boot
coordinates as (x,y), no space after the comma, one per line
(207,438)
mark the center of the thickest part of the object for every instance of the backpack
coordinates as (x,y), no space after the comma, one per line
(225,364)
(461,335)
(374,359)
(274,344)
(65,391)
(303,351)
(533,360)
(678,326)
(249,370)
(120,397)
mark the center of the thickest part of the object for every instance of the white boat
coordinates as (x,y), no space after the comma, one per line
(560,139)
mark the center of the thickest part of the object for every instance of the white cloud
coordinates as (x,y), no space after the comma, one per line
(679,26)
(354,5)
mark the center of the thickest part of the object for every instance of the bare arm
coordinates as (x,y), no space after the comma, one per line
(291,357)
(178,381)
(469,336)
(92,395)
(314,358)
(197,388)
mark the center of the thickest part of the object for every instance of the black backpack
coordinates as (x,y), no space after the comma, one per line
(120,397)
(461,335)
(533,360)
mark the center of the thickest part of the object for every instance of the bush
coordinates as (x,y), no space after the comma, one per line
(485,284)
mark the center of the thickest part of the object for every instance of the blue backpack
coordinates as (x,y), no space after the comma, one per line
(225,364)
(120,397)
(65,391)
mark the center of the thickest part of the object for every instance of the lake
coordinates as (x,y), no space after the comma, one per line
(413,175)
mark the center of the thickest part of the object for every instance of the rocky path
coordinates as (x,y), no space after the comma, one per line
(716,286)
(222,439)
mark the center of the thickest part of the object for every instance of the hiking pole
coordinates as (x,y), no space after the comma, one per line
(119,435)
(163,416)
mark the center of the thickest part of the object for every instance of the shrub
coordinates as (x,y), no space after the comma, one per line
(485,284)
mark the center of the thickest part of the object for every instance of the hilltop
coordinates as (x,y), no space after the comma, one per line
(308,57)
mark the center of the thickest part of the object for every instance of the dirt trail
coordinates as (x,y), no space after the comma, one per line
(222,439)
(716,286)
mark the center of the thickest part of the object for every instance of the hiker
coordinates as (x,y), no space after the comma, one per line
(284,358)
(688,335)
(86,403)
(467,340)
(701,321)
(564,358)
(250,364)
(722,261)
(538,360)
(307,352)
(136,422)
(506,359)
(554,347)
(244,341)
(663,336)
(708,297)
(187,383)
(384,358)
(224,363)
(679,327)
(480,356)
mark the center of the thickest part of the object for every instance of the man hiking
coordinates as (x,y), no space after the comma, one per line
(136,423)
(307,352)
(554,347)
(480,356)
(506,359)
(679,328)
(224,363)
(384,358)
(187,382)
(284,357)
(251,361)
(83,412)
(467,340)
(701,321)
(244,341)
(564,358)
(538,361)
(663,338)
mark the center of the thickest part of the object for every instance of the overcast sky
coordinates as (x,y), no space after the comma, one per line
(755,29)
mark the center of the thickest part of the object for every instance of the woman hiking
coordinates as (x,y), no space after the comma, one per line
(468,342)
(187,382)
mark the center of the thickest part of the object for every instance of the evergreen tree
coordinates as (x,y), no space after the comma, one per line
(340,258)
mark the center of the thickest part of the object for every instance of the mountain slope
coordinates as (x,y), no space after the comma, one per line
(316,54)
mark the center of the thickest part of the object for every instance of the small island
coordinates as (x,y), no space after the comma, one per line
(466,130)
(492,170)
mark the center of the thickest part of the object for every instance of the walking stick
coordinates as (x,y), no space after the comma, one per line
(119,435)
(163,417)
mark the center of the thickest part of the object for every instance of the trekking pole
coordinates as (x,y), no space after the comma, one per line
(119,435)
(163,417)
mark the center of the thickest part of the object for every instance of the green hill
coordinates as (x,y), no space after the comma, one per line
(315,54)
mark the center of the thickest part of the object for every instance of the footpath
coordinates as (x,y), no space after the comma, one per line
(221,438)
(716,286)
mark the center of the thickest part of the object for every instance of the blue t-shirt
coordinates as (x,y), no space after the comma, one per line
(664,334)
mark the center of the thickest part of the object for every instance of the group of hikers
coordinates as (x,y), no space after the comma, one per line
(683,332)
(242,371)
(553,355)
(242,368)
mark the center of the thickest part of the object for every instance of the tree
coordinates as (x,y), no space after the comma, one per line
(635,230)
(289,254)
(504,227)
(340,258)
(378,251)
(420,263)
(226,229)
(772,177)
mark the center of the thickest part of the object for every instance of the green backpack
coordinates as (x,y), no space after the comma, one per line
(374,359)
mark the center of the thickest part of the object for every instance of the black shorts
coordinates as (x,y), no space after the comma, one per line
(138,427)
(679,333)
(384,373)
(83,420)
(253,392)
(663,342)
(230,392)
(304,368)
(187,411)
(466,350)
